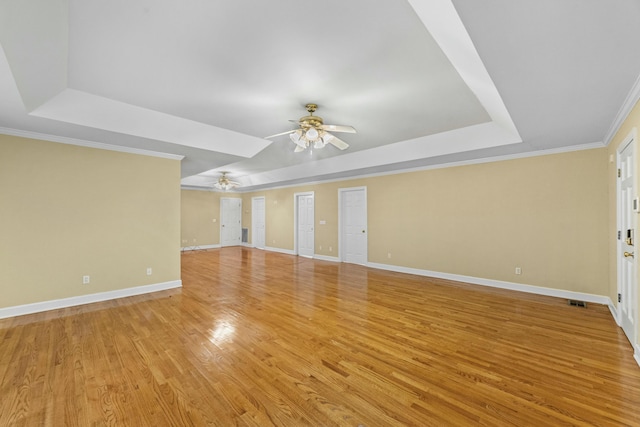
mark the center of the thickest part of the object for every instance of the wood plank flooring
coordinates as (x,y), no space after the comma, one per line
(258,338)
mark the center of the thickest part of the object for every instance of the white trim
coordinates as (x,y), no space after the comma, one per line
(631,100)
(326,258)
(539,290)
(636,353)
(529,154)
(280,250)
(88,144)
(614,312)
(199,247)
(196,188)
(20,310)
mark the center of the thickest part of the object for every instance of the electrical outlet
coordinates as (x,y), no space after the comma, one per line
(330,249)
(518,270)
(389,255)
(149,271)
(86,280)
(320,247)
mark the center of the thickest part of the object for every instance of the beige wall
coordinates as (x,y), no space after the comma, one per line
(199,209)
(544,214)
(632,121)
(547,215)
(69,211)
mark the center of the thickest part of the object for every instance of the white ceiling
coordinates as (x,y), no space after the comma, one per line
(424,82)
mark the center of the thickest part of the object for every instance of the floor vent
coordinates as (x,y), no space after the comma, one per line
(577,303)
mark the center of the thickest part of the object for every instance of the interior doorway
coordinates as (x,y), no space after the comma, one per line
(352,217)
(258,233)
(627,206)
(304,224)
(230,221)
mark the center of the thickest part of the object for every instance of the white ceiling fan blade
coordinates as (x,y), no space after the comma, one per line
(336,142)
(299,148)
(339,128)
(281,133)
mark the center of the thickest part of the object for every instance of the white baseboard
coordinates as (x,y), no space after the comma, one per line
(199,247)
(38,307)
(279,250)
(326,258)
(291,252)
(614,312)
(597,299)
(636,353)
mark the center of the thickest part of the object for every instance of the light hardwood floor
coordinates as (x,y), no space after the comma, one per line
(259,338)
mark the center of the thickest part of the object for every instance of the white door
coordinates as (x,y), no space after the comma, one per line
(230,221)
(257,222)
(627,214)
(305,218)
(352,205)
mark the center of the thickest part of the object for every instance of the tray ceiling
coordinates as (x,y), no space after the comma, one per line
(423,82)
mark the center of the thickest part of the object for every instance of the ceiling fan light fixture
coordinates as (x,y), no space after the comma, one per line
(222,186)
(311,134)
(298,138)
(224,183)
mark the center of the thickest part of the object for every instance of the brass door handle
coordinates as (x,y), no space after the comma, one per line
(628,254)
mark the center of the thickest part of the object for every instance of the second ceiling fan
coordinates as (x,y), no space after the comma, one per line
(312,132)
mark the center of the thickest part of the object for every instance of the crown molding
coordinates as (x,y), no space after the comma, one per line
(630,101)
(88,144)
(560,150)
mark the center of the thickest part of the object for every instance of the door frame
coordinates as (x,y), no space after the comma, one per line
(341,192)
(296,199)
(222,219)
(253,220)
(629,140)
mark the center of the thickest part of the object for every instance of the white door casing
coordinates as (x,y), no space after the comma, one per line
(230,221)
(627,205)
(258,233)
(304,219)
(352,218)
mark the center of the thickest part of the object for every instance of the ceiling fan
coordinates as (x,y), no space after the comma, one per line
(224,183)
(313,132)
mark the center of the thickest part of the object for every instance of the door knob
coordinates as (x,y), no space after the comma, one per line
(363,231)
(628,254)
